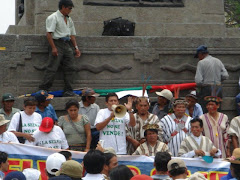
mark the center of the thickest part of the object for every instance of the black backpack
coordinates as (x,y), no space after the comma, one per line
(118,27)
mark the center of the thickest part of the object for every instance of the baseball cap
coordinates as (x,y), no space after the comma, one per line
(31,174)
(71,168)
(89,92)
(8,97)
(42,95)
(141,177)
(192,94)
(16,175)
(179,164)
(3,120)
(46,125)
(166,94)
(201,49)
(54,162)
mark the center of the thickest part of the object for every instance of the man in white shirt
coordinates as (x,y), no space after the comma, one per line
(6,136)
(94,161)
(197,145)
(112,129)
(49,135)
(30,120)
(61,36)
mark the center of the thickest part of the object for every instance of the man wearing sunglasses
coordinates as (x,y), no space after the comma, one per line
(61,37)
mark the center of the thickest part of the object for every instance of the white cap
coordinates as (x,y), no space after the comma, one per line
(54,162)
(31,174)
(166,94)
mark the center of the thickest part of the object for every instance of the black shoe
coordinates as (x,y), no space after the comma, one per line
(69,94)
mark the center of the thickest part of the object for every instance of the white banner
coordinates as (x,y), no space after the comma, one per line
(25,156)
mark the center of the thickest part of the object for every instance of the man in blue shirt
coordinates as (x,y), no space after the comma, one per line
(193,109)
(44,108)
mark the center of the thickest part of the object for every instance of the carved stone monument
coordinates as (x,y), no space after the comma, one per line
(165,43)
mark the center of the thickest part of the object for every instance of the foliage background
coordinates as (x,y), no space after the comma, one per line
(232,13)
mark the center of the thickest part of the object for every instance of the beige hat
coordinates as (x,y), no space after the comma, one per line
(180,163)
(71,168)
(235,158)
(197,176)
(109,150)
(3,120)
(166,94)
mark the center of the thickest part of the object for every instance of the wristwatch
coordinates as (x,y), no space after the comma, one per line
(131,111)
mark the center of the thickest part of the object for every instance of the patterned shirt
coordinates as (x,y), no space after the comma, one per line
(216,131)
(137,132)
(147,149)
(192,143)
(234,128)
(174,131)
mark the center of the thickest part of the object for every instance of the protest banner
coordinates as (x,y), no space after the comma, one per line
(25,156)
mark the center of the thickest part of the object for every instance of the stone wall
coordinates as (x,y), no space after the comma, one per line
(196,18)
(117,62)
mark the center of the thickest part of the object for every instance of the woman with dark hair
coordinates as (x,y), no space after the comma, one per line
(76,127)
(121,172)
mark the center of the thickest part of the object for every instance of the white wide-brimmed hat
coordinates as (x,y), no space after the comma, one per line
(3,120)
(166,94)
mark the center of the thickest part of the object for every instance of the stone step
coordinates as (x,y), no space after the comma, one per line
(228,104)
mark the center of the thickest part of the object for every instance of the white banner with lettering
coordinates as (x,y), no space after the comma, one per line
(24,156)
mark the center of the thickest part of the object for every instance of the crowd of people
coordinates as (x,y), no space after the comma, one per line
(86,127)
(191,127)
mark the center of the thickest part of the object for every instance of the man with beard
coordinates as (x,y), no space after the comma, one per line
(176,126)
(135,135)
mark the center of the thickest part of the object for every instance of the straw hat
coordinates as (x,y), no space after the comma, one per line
(3,120)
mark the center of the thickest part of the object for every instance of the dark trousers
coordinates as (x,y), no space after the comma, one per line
(65,59)
(206,90)
(238,103)
(95,138)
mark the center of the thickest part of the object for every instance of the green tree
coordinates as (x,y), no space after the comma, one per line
(232,13)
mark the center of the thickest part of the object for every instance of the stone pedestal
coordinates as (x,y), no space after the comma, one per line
(201,18)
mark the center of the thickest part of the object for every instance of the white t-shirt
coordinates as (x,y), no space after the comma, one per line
(114,134)
(8,137)
(55,139)
(29,123)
